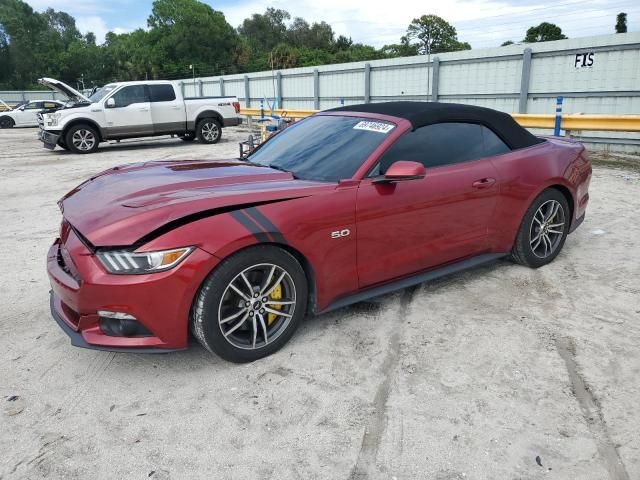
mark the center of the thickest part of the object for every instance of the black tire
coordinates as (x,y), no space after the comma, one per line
(62,144)
(209,130)
(73,139)
(6,122)
(215,292)
(540,240)
(188,137)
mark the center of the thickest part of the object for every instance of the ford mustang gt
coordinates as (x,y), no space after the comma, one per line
(345,205)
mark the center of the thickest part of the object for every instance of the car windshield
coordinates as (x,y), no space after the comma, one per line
(101,92)
(323,147)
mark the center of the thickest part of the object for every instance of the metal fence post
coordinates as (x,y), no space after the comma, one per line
(247,94)
(201,87)
(316,89)
(367,83)
(436,78)
(556,129)
(524,80)
(222,87)
(279,89)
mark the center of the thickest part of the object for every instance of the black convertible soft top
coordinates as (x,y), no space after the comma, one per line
(428,113)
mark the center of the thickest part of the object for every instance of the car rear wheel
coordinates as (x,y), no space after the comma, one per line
(6,122)
(209,130)
(251,304)
(82,139)
(543,231)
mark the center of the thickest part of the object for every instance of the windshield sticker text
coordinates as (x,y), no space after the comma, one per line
(373,127)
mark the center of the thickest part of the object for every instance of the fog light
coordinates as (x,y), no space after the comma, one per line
(116,315)
(119,324)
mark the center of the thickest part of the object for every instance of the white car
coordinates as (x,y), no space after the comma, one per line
(134,109)
(26,115)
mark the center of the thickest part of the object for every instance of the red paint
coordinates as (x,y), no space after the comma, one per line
(396,229)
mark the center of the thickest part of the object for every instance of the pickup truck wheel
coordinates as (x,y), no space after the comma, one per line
(209,130)
(6,122)
(62,144)
(82,139)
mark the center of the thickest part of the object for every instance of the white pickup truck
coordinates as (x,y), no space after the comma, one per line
(133,109)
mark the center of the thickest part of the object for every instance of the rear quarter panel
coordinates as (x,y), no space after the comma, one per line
(525,173)
(223,106)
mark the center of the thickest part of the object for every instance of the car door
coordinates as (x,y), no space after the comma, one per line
(167,111)
(28,115)
(414,225)
(129,114)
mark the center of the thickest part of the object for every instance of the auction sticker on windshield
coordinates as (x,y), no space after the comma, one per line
(379,127)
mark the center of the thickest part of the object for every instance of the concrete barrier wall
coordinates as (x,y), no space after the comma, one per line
(594,75)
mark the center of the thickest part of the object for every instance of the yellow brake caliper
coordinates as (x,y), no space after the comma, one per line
(276,294)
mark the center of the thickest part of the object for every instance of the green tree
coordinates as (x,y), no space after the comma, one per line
(265,31)
(621,23)
(188,32)
(544,32)
(402,49)
(433,34)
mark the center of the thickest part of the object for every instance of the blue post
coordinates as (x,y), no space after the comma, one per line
(342,101)
(556,129)
(261,109)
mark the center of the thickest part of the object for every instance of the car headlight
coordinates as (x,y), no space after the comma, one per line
(52,119)
(126,262)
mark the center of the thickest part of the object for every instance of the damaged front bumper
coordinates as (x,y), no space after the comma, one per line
(49,139)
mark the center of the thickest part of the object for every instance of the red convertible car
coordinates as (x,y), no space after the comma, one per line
(347,204)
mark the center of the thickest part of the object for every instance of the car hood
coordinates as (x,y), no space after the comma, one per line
(64,89)
(122,205)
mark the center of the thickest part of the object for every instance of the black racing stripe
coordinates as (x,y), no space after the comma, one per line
(198,216)
(245,221)
(265,223)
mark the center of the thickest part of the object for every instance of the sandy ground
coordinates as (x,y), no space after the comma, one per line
(498,373)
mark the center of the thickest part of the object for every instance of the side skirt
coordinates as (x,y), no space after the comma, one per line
(414,280)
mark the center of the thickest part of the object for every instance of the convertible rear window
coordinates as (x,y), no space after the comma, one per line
(322,147)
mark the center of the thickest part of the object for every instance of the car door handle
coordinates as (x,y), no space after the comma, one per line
(483,183)
(176,107)
(144,109)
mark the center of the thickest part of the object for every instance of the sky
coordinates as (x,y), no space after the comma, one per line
(482,23)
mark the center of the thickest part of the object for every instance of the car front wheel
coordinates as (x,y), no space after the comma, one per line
(82,139)
(543,230)
(251,304)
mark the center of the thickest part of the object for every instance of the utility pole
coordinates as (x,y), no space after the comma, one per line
(429,71)
(193,70)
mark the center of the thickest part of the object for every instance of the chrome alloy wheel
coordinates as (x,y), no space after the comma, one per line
(547,229)
(210,131)
(83,139)
(257,306)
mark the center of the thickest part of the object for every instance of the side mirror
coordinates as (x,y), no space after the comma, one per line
(403,170)
(111,103)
